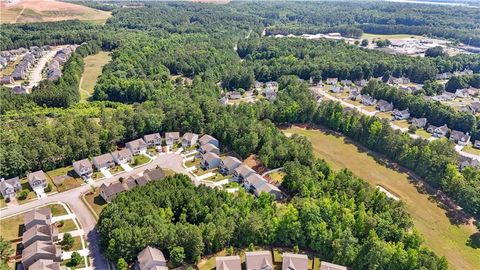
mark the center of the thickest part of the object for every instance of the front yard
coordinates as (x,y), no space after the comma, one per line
(401,123)
(471,150)
(95,201)
(116,169)
(70,178)
(194,162)
(423,133)
(139,160)
(66,226)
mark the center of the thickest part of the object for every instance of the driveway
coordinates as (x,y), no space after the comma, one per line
(126,167)
(106,173)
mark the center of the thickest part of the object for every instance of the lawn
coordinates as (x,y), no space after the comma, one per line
(11,228)
(440,234)
(97,175)
(219,177)
(66,263)
(116,169)
(193,162)
(139,160)
(401,123)
(57,209)
(423,133)
(95,201)
(231,184)
(77,245)
(277,177)
(66,226)
(471,150)
(92,70)
(68,183)
(384,115)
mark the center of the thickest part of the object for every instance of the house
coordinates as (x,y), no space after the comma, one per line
(361,83)
(229,164)
(7,80)
(153,139)
(438,132)
(401,115)
(208,139)
(254,181)
(270,189)
(19,73)
(332,81)
(223,100)
(475,107)
(37,232)
(111,191)
(368,100)
(354,93)
(337,89)
(40,216)
(468,162)
(18,89)
(104,161)
(384,106)
(9,187)
(459,137)
(401,80)
(151,259)
(210,160)
(346,82)
(123,156)
(40,250)
(46,265)
(419,122)
(331,266)
(476,144)
(83,168)
(228,263)
(172,138)
(37,180)
(207,148)
(234,95)
(461,93)
(189,139)
(270,94)
(291,261)
(473,91)
(134,181)
(154,174)
(137,146)
(258,260)
(242,172)
(3,62)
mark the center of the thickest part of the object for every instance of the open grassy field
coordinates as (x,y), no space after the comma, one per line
(440,234)
(92,70)
(26,11)
(377,36)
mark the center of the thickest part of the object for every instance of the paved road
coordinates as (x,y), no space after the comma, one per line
(36,74)
(73,200)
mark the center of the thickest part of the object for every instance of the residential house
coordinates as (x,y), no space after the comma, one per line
(9,187)
(337,89)
(46,265)
(153,139)
(468,162)
(419,122)
(234,95)
(83,168)
(459,137)
(438,132)
(444,76)
(104,161)
(123,156)
(37,232)
(19,89)
(229,164)
(384,106)
(270,94)
(189,139)
(368,100)
(292,261)
(258,260)
(210,160)
(354,94)
(137,146)
(401,80)
(473,91)
(331,266)
(270,189)
(361,83)
(223,100)
(151,259)
(461,93)
(111,191)
(346,82)
(154,174)
(401,115)
(242,172)
(137,180)
(37,180)
(208,139)
(3,62)
(7,80)
(172,138)
(40,216)
(40,250)
(228,263)
(207,148)
(476,144)
(254,181)
(475,107)
(332,81)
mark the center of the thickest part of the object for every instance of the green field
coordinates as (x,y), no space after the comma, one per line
(396,36)
(92,70)
(471,150)
(431,221)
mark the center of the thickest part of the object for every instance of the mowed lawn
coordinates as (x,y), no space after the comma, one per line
(92,70)
(430,220)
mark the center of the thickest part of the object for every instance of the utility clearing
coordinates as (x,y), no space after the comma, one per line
(93,66)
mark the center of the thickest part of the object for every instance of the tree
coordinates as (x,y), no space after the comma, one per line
(67,241)
(177,256)
(5,250)
(364,43)
(434,52)
(122,264)
(75,259)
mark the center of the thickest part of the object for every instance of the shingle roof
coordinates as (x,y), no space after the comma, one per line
(102,159)
(208,157)
(244,170)
(189,136)
(291,261)
(231,162)
(152,137)
(46,265)
(172,135)
(42,214)
(208,147)
(228,263)
(39,247)
(206,139)
(38,175)
(138,143)
(258,260)
(112,189)
(154,174)
(81,164)
(124,153)
(331,266)
(150,254)
(38,230)
(256,180)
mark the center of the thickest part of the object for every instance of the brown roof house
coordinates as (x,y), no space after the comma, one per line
(208,139)
(41,216)
(258,260)
(9,187)
(228,263)
(242,172)
(459,137)
(331,266)
(189,139)
(229,164)
(104,161)
(40,233)
(209,148)
(46,265)
(153,139)
(151,259)
(40,250)
(172,138)
(111,191)
(210,160)
(83,168)
(37,180)
(291,261)
(123,156)
(137,146)
(419,122)
(384,106)
(154,174)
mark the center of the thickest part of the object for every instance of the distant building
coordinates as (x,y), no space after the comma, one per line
(7,80)
(189,139)
(172,138)
(419,122)
(104,161)
(242,172)
(208,139)
(459,137)
(438,132)
(123,156)
(332,81)
(210,160)
(229,164)
(401,115)
(384,106)
(209,148)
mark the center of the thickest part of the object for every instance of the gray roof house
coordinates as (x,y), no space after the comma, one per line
(208,139)
(368,100)
(7,80)
(137,146)
(210,160)
(476,144)
(18,89)
(83,168)
(258,260)
(123,156)
(291,261)
(242,172)
(41,216)
(459,137)
(475,106)
(151,259)
(37,180)
(46,265)
(270,189)
(254,181)
(223,100)
(103,161)
(331,266)
(384,106)
(234,95)
(189,139)
(153,139)
(229,164)
(172,138)
(154,174)
(332,80)
(419,122)
(40,233)
(401,115)
(207,148)
(111,191)
(9,187)
(438,132)
(228,263)
(40,250)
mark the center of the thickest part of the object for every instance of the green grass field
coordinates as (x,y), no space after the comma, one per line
(431,221)
(471,150)
(423,133)
(396,36)
(92,70)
